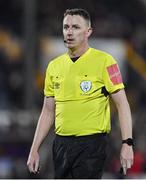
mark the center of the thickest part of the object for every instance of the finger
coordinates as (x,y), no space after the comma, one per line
(30,167)
(39,168)
(36,167)
(128,164)
(124,170)
(124,166)
(123,162)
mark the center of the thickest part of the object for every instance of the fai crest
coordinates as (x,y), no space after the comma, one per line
(85,86)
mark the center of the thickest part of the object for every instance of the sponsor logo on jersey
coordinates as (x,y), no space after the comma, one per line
(114,74)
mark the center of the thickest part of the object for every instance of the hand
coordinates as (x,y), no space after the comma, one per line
(126,157)
(33,162)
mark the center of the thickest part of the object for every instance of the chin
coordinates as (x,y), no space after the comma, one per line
(70,46)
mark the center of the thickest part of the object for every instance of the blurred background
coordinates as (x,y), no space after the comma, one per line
(30,36)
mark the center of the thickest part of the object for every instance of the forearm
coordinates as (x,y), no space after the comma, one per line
(124,113)
(126,155)
(45,123)
(125,120)
(43,127)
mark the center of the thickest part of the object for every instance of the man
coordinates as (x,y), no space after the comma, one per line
(78,85)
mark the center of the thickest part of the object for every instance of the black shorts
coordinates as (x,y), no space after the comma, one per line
(80,157)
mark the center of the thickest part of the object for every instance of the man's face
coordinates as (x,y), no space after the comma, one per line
(75,30)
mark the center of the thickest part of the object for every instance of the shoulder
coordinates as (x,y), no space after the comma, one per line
(55,64)
(100,53)
(105,56)
(57,60)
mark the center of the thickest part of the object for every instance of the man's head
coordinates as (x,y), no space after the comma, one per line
(76,27)
(80,12)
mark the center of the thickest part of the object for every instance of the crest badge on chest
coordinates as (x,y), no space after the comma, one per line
(86,86)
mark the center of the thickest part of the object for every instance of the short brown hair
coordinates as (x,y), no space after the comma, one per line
(81,12)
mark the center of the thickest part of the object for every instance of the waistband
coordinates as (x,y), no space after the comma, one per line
(82,137)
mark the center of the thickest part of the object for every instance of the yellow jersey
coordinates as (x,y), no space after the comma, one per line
(81,91)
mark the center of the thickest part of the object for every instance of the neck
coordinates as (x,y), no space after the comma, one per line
(77,52)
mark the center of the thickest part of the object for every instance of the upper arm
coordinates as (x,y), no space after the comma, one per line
(112,77)
(119,98)
(49,86)
(49,104)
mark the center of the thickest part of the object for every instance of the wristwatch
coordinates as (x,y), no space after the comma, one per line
(128,141)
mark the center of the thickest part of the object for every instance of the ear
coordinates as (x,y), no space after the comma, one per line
(89,32)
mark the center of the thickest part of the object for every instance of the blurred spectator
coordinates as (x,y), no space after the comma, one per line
(10,71)
(4,70)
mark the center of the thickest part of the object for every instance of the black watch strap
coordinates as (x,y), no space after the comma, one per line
(128,141)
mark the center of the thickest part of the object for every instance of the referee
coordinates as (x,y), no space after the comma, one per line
(78,86)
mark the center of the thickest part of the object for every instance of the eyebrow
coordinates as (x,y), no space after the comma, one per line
(72,24)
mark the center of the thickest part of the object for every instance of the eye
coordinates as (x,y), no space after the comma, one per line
(76,27)
(65,27)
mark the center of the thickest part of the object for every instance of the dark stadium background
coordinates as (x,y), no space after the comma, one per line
(28,28)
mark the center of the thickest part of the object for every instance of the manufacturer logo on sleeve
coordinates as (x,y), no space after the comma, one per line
(85,86)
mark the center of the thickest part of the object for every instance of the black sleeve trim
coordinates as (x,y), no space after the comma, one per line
(104,91)
(49,96)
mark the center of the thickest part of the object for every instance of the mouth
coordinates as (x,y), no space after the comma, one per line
(70,40)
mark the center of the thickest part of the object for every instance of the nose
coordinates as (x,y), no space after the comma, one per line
(70,32)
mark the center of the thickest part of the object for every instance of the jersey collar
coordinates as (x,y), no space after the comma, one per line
(81,57)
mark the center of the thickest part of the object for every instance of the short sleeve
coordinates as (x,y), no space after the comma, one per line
(49,87)
(111,75)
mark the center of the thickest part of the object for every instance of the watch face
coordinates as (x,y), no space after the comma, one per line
(129,141)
